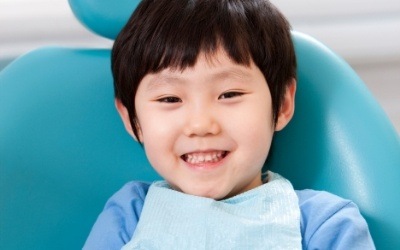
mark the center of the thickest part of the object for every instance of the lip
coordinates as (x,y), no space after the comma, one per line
(207,159)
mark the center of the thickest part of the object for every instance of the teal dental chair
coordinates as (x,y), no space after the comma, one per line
(64,150)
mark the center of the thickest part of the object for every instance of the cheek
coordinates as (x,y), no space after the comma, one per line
(257,141)
(159,138)
(152,124)
(254,132)
(156,136)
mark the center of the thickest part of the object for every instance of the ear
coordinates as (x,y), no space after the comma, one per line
(124,114)
(287,106)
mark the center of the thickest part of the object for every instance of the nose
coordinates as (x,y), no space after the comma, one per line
(201,121)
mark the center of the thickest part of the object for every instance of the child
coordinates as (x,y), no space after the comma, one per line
(203,85)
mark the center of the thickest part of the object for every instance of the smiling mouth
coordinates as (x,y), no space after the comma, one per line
(204,157)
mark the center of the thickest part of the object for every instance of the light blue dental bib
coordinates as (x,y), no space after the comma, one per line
(267,217)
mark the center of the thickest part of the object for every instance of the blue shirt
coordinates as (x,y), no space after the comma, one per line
(327,221)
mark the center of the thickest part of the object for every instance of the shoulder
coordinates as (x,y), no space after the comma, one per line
(133,191)
(331,222)
(311,200)
(116,223)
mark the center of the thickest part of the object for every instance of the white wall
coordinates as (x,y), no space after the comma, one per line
(364,32)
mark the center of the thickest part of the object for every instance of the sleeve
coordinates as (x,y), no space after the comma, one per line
(331,222)
(116,223)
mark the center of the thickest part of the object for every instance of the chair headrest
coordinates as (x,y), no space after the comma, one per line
(104,17)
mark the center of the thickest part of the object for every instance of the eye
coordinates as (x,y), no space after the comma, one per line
(169,99)
(230,94)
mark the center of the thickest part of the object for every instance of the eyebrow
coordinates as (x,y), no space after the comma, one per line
(166,78)
(232,73)
(163,80)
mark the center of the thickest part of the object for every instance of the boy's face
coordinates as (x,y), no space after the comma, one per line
(207,129)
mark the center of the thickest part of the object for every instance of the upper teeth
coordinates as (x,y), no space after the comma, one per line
(196,158)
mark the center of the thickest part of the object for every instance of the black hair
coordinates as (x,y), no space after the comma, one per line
(172,33)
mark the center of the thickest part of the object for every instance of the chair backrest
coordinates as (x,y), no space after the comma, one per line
(64,151)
